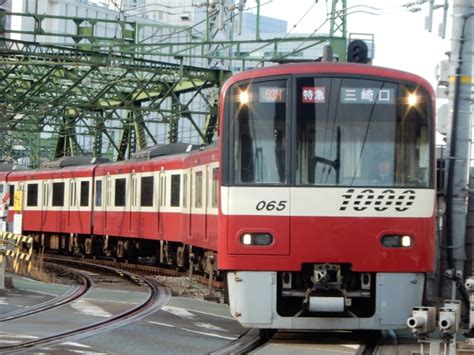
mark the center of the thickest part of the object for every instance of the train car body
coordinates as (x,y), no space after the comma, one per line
(163,205)
(55,200)
(308,235)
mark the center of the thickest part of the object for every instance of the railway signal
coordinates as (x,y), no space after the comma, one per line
(358,52)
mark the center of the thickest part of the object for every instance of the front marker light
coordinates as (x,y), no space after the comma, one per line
(406,241)
(246,239)
(396,241)
(256,239)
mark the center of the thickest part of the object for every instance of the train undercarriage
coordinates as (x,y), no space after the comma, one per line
(163,253)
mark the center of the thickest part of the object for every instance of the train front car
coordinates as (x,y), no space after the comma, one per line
(327,197)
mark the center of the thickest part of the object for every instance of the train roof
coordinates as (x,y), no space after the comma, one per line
(5,167)
(65,162)
(164,149)
(327,68)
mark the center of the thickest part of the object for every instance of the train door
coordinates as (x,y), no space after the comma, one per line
(107,201)
(45,201)
(198,204)
(134,209)
(73,203)
(186,203)
(19,198)
(212,212)
(161,201)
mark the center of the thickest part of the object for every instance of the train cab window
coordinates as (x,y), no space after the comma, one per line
(98,193)
(215,187)
(345,128)
(259,113)
(84,193)
(120,191)
(12,195)
(58,194)
(198,189)
(175,190)
(146,193)
(32,195)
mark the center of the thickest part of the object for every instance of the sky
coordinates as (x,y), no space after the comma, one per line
(401,41)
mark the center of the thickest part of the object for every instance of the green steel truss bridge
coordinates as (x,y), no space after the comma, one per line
(83,91)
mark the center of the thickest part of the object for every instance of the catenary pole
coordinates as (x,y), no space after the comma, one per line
(459,138)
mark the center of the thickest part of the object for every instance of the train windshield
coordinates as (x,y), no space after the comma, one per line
(260,128)
(355,132)
(345,132)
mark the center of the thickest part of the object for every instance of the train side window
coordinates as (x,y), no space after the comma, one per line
(215,187)
(45,193)
(58,194)
(133,190)
(1,188)
(98,193)
(72,194)
(120,185)
(185,190)
(175,190)
(162,190)
(32,195)
(198,189)
(84,193)
(146,193)
(12,195)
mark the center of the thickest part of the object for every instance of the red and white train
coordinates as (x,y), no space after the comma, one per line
(318,198)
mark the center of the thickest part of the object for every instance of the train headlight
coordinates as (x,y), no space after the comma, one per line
(397,241)
(257,239)
(412,99)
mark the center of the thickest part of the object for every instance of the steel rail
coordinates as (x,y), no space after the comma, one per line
(158,296)
(68,296)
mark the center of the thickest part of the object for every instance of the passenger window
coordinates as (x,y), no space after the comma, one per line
(163,191)
(98,193)
(12,195)
(215,187)
(84,193)
(185,190)
(175,190)
(72,194)
(32,195)
(146,196)
(198,189)
(120,192)
(58,194)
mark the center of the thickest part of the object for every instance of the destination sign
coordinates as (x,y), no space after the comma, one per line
(271,94)
(367,96)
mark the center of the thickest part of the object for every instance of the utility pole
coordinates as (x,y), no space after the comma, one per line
(459,137)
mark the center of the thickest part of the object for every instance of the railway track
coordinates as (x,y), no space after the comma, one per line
(70,295)
(136,268)
(347,342)
(157,297)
